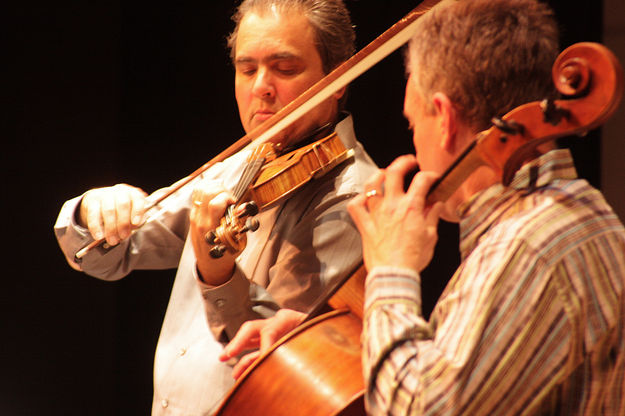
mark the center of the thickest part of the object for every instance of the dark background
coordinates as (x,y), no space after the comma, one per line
(108,92)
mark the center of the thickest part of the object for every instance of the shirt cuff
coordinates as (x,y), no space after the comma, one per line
(69,211)
(388,283)
(226,304)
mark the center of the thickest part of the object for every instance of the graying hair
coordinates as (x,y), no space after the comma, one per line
(335,37)
(487,56)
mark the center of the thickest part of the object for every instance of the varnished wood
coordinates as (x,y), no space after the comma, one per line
(351,295)
(590,77)
(315,371)
(288,173)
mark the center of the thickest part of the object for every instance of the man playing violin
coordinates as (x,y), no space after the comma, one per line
(533,320)
(304,243)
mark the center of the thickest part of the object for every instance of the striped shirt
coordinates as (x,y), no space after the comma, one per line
(532,322)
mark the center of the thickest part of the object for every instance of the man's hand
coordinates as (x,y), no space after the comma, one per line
(259,334)
(396,227)
(112,212)
(210,200)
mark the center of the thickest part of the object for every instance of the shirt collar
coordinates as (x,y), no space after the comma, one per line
(485,207)
(345,129)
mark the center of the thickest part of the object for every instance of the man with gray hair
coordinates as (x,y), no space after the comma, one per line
(533,320)
(304,243)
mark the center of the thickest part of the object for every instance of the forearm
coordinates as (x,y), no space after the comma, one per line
(229,305)
(482,344)
(156,245)
(392,321)
(300,260)
(71,236)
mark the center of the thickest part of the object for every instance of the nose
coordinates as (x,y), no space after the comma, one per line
(263,85)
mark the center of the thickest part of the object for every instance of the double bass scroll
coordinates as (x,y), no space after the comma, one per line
(589,77)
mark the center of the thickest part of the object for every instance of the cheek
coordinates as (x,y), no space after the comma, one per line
(239,89)
(242,95)
(287,91)
(416,141)
(421,150)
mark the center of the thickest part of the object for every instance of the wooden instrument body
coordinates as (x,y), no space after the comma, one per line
(290,380)
(284,175)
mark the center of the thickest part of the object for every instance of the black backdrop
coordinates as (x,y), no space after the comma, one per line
(107,92)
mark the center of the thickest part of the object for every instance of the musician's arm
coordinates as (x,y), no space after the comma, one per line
(155,245)
(313,243)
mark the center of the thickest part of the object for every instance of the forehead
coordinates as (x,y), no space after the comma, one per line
(272,33)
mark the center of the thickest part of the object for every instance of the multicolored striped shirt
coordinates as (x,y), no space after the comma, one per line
(532,322)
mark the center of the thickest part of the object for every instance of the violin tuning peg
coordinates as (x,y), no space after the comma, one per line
(552,113)
(247,209)
(252,208)
(210,237)
(251,225)
(217,251)
(508,126)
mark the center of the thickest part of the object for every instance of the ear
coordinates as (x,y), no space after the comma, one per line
(339,93)
(447,119)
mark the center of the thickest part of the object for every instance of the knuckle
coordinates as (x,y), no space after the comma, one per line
(123,203)
(246,326)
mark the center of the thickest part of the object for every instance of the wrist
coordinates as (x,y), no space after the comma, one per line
(80,214)
(213,274)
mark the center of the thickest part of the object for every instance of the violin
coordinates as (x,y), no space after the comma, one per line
(298,368)
(268,179)
(363,60)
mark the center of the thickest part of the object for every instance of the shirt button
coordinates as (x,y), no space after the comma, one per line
(220,303)
(164,403)
(182,351)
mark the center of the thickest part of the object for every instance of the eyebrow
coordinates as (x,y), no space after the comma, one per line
(279,56)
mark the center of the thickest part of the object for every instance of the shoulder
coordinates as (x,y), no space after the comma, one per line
(557,219)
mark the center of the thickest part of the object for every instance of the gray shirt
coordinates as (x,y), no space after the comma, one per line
(303,244)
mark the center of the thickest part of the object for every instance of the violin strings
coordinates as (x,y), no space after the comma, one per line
(248,175)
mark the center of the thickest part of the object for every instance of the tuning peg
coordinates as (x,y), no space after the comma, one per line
(247,209)
(210,237)
(217,251)
(250,225)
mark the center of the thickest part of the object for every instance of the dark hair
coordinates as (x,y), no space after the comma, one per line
(487,56)
(335,37)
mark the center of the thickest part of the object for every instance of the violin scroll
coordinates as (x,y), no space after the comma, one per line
(231,233)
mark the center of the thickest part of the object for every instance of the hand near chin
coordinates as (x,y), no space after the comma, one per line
(397,228)
(259,335)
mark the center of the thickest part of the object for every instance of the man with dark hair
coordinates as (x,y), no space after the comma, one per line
(304,243)
(533,320)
